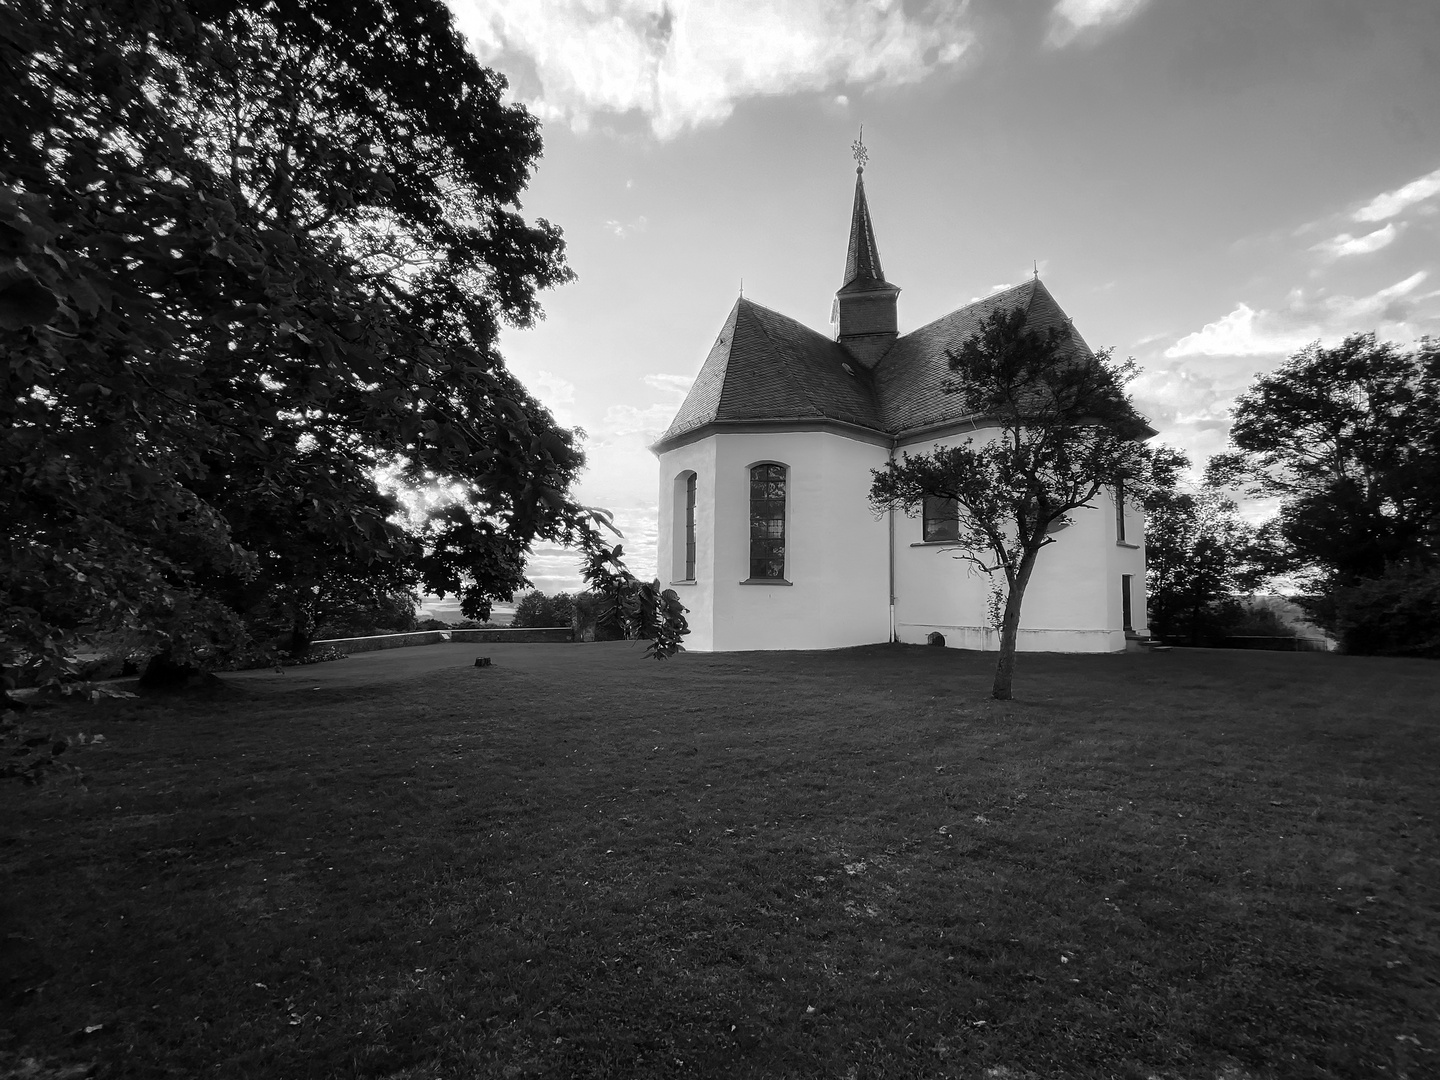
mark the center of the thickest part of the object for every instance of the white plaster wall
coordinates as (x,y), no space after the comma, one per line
(1072,603)
(1128,558)
(697,457)
(836,550)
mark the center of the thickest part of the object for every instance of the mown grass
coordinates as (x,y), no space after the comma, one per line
(847,864)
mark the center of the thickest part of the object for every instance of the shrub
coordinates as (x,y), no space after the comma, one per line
(1394,615)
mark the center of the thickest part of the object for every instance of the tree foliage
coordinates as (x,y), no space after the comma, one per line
(1062,430)
(253,261)
(1199,553)
(1348,439)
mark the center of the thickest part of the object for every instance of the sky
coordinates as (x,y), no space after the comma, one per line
(1204,185)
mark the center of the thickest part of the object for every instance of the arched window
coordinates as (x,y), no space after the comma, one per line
(767,522)
(684,532)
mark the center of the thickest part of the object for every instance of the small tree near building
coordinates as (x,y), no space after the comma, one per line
(1063,431)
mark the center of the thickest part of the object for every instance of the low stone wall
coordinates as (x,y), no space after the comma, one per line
(553,634)
(381,641)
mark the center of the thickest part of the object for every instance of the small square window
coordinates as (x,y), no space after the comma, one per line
(942,519)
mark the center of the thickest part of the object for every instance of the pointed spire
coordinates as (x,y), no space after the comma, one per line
(862,259)
(864,315)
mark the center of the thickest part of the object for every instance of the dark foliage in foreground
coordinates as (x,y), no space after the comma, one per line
(253,261)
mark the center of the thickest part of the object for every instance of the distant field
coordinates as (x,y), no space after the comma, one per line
(845,864)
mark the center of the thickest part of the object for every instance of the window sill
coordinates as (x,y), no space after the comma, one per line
(1127,544)
(938,543)
(686,581)
(766,581)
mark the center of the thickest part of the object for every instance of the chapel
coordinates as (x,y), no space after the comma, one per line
(765,529)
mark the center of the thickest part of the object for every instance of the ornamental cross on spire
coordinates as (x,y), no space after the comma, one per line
(857,149)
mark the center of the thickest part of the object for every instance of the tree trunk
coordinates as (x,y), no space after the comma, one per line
(1010,628)
(302,627)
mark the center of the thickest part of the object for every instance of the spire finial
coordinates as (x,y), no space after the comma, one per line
(858,151)
(1036,267)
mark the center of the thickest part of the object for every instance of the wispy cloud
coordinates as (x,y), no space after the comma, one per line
(679,385)
(1337,247)
(1391,203)
(623,229)
(1082,20)
(683,65)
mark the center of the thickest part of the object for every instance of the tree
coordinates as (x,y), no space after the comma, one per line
(1061,429)
(534,608)
(1199,553)
(254,258)
(1348,438)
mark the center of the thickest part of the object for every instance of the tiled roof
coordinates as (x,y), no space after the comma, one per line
(911,377)
(765,366)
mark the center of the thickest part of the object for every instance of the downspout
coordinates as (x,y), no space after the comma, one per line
(890,513)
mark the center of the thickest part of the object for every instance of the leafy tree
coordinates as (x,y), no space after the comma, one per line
(1199,553)
(534,608)
(1348,438)
(1062,430)
(253,261)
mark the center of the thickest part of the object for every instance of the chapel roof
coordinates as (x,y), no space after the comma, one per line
(765,366)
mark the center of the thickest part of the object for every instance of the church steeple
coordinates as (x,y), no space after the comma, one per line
(862,260)
(865,312)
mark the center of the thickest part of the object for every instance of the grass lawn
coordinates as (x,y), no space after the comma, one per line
(842,864)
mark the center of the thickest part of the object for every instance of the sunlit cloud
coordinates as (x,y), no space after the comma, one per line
(1246,331)
(1391,203)
(1076,20)
(683,65)
(1242,332)
(1337,247)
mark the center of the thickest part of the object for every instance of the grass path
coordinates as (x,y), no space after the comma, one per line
(850,864)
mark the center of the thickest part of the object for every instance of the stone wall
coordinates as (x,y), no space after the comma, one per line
(381,641)
(551,634)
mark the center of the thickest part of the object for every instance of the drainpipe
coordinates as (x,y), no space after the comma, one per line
(891,515)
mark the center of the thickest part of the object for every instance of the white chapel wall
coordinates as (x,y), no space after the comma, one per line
(836,550)
(699,596)
(1072,603)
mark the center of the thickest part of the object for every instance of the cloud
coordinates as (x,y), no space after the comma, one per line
(1395,202)
(1338,247)
(678,385)
(1072,20)
(683,65)
(623,229)
(1239,333)
(1248,332)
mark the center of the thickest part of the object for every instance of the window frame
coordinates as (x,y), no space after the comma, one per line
(691,489)
(684,547)
(783,517)
(929,519)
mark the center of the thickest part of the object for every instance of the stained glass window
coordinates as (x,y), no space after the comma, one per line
(767,521)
